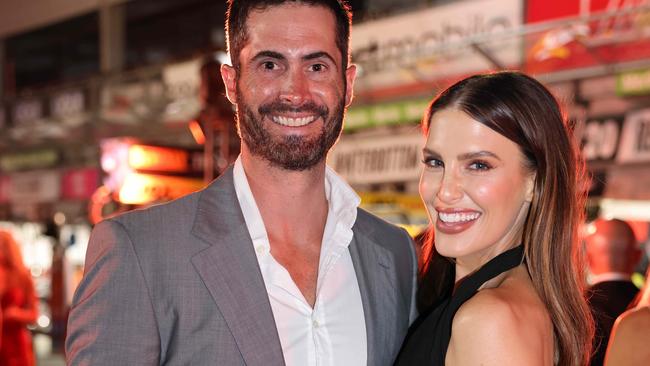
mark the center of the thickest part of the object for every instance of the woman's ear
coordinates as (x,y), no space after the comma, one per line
(530,187)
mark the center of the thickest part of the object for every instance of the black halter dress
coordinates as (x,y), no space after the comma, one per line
(429,338)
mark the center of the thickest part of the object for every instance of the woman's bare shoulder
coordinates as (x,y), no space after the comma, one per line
(501,326)
(628,343)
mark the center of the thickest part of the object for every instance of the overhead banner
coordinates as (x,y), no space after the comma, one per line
(410,48)
(576,44)
(378,159)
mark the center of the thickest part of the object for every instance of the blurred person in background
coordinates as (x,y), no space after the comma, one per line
(19,305)
(503,187)
(274,262)
(612,254)
(628,344)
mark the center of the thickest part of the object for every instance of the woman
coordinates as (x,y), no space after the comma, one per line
(628,343)
(19,305)
(503,187)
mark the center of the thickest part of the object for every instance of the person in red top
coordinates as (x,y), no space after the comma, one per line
(18,305)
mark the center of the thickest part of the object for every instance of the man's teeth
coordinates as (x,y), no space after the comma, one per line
(293,122)
(458,217)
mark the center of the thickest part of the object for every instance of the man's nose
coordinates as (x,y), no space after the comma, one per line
(295,88)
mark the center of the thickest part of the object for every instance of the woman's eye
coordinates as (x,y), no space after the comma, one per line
(432,162)
(480,165)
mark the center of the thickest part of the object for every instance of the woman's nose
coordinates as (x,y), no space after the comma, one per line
(450,188)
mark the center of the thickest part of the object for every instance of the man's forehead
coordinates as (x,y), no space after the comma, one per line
(291,29)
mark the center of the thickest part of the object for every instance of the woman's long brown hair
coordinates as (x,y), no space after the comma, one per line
(524,111)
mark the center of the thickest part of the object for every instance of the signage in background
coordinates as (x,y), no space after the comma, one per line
(182,84)
(378,159)
(69,107)
(385,114)
(35,187)
(26,112)
(79,184)
(37,159)
(416,47)
(600,138)
(633,83)
(635,138)
(580,45)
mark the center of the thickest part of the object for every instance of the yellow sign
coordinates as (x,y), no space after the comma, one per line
(139,189)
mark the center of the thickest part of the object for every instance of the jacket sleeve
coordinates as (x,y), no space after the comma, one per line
(112,320)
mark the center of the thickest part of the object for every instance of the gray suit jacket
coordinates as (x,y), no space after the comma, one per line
(179,284)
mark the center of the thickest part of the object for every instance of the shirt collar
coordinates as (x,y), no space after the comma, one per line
(342,201)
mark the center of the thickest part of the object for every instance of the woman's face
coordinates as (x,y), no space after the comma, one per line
(475,187)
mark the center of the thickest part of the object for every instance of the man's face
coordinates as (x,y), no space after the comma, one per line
(290,90)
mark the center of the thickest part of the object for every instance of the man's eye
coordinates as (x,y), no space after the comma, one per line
(317,67)
(268,65)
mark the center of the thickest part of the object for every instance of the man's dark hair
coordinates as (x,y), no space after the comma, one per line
(239,10)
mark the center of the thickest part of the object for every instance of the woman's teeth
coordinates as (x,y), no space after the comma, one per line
(458,217)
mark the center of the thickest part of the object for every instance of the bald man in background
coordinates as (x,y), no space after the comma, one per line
(612,254)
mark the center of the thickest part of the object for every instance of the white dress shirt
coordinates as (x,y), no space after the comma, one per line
(333,333)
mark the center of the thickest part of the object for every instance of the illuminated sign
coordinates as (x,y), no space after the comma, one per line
(156,158)
(139,189)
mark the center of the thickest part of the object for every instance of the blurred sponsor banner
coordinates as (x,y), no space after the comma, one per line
(635,138)
(182,83)
(378,159)
(79,184)
(133,101)
(385,114)
(600,138)
(35,187)
(36,159)
(633,83)
(411,48)
(621,36)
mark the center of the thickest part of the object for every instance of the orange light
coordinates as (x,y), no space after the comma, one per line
(197,132)
(140,189)
(144,157)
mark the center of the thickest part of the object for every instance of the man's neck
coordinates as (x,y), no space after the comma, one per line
(286,198)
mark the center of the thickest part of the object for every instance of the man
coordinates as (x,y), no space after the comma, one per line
(612,254)
(273,263)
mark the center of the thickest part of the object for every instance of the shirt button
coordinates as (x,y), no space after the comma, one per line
(315,324)
(260,249)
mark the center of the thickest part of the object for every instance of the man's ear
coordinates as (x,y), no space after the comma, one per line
(229,76)
(350,76)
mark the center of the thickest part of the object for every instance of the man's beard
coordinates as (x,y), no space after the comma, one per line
(290,152)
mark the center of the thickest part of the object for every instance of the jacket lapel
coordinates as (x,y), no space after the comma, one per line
(372,265)
(232,275)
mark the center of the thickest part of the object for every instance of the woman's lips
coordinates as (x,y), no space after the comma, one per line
(454,221)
